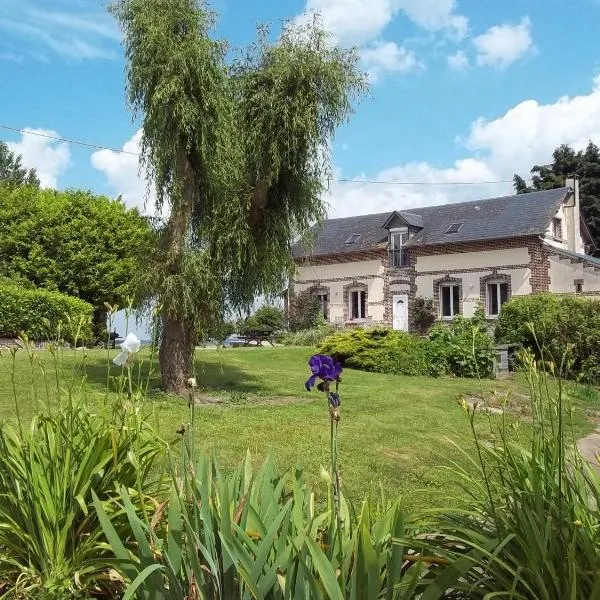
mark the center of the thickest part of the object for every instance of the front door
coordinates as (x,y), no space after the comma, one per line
(400,312)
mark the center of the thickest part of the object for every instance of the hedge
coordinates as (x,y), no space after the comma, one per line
(462,348)
(554,327)
(43,315)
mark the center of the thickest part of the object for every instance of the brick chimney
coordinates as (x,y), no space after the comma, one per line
(573,217)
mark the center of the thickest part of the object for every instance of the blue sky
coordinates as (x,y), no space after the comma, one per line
(462,91)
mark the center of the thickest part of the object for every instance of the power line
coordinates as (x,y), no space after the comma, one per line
(59,139)
(337,180)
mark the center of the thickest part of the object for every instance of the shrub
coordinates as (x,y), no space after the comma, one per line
(306,337)
(43,315)
(380,350)
(463,347)
(423,314)
(303,311)
(561,323)
(268,318)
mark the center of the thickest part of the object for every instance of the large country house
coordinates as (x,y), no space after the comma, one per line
(369,269)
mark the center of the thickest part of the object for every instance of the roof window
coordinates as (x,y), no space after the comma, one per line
(353,238)
(454,228)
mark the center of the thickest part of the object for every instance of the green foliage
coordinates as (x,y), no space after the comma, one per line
(566,163)
(12,173)
(238,152)
(423,314)
(259,535)
(43,315)
(303,311)
(379,350)
(532,503)
(51,542)
(267,318)
(555,326)
(307,337)
(72,242)
(464,346)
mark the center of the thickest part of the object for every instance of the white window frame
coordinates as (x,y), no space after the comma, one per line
(453,314)
(497,283)
(402,233)
(351,293)
(323,298)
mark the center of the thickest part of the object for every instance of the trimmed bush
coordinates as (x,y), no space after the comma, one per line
(554,325)
(462,348)
(43,315)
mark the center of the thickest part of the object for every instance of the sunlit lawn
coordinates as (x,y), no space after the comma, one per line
(394,431)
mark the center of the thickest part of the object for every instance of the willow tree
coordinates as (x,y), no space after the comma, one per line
(238,152)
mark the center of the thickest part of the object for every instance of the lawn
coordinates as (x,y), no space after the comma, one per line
(394,431)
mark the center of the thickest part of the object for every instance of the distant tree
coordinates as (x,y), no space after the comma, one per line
(566,163)
(72,242)
(269,318)
(12,172)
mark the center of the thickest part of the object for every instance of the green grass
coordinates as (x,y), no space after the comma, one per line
(393,432)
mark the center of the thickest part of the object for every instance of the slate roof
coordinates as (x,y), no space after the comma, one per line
(492,218)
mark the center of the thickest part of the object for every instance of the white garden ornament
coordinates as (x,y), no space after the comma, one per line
(130,346)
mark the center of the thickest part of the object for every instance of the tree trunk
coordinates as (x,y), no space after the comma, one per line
(176,354)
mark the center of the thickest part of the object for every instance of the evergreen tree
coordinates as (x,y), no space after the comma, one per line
(566,163)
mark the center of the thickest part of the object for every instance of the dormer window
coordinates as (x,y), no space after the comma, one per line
(454,228)
(557,231)
(398,257)
(353,238)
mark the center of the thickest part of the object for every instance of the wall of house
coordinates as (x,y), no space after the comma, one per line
(564,273)
(338,278)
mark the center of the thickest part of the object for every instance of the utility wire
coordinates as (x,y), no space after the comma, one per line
(362,181)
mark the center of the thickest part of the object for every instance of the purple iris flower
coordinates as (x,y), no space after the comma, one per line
(322,367)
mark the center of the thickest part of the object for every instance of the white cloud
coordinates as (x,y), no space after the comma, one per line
(360,21)
(383,57)
(458,61)
(123,174)
(353,21)
(523,136)
(436,15)
(73,32)
(502,45)
(48,157)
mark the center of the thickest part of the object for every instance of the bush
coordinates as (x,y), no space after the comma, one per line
(303,311)
(306,337)
(423,314)
(43,315)
(553,325)
(380,350)
(463,347)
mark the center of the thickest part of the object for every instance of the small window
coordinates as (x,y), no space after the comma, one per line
(398,256)
(454,228)
(450,294)
(358,304)
(578,287)
(324,303)
(353,238)
(557,231)
(497,295)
